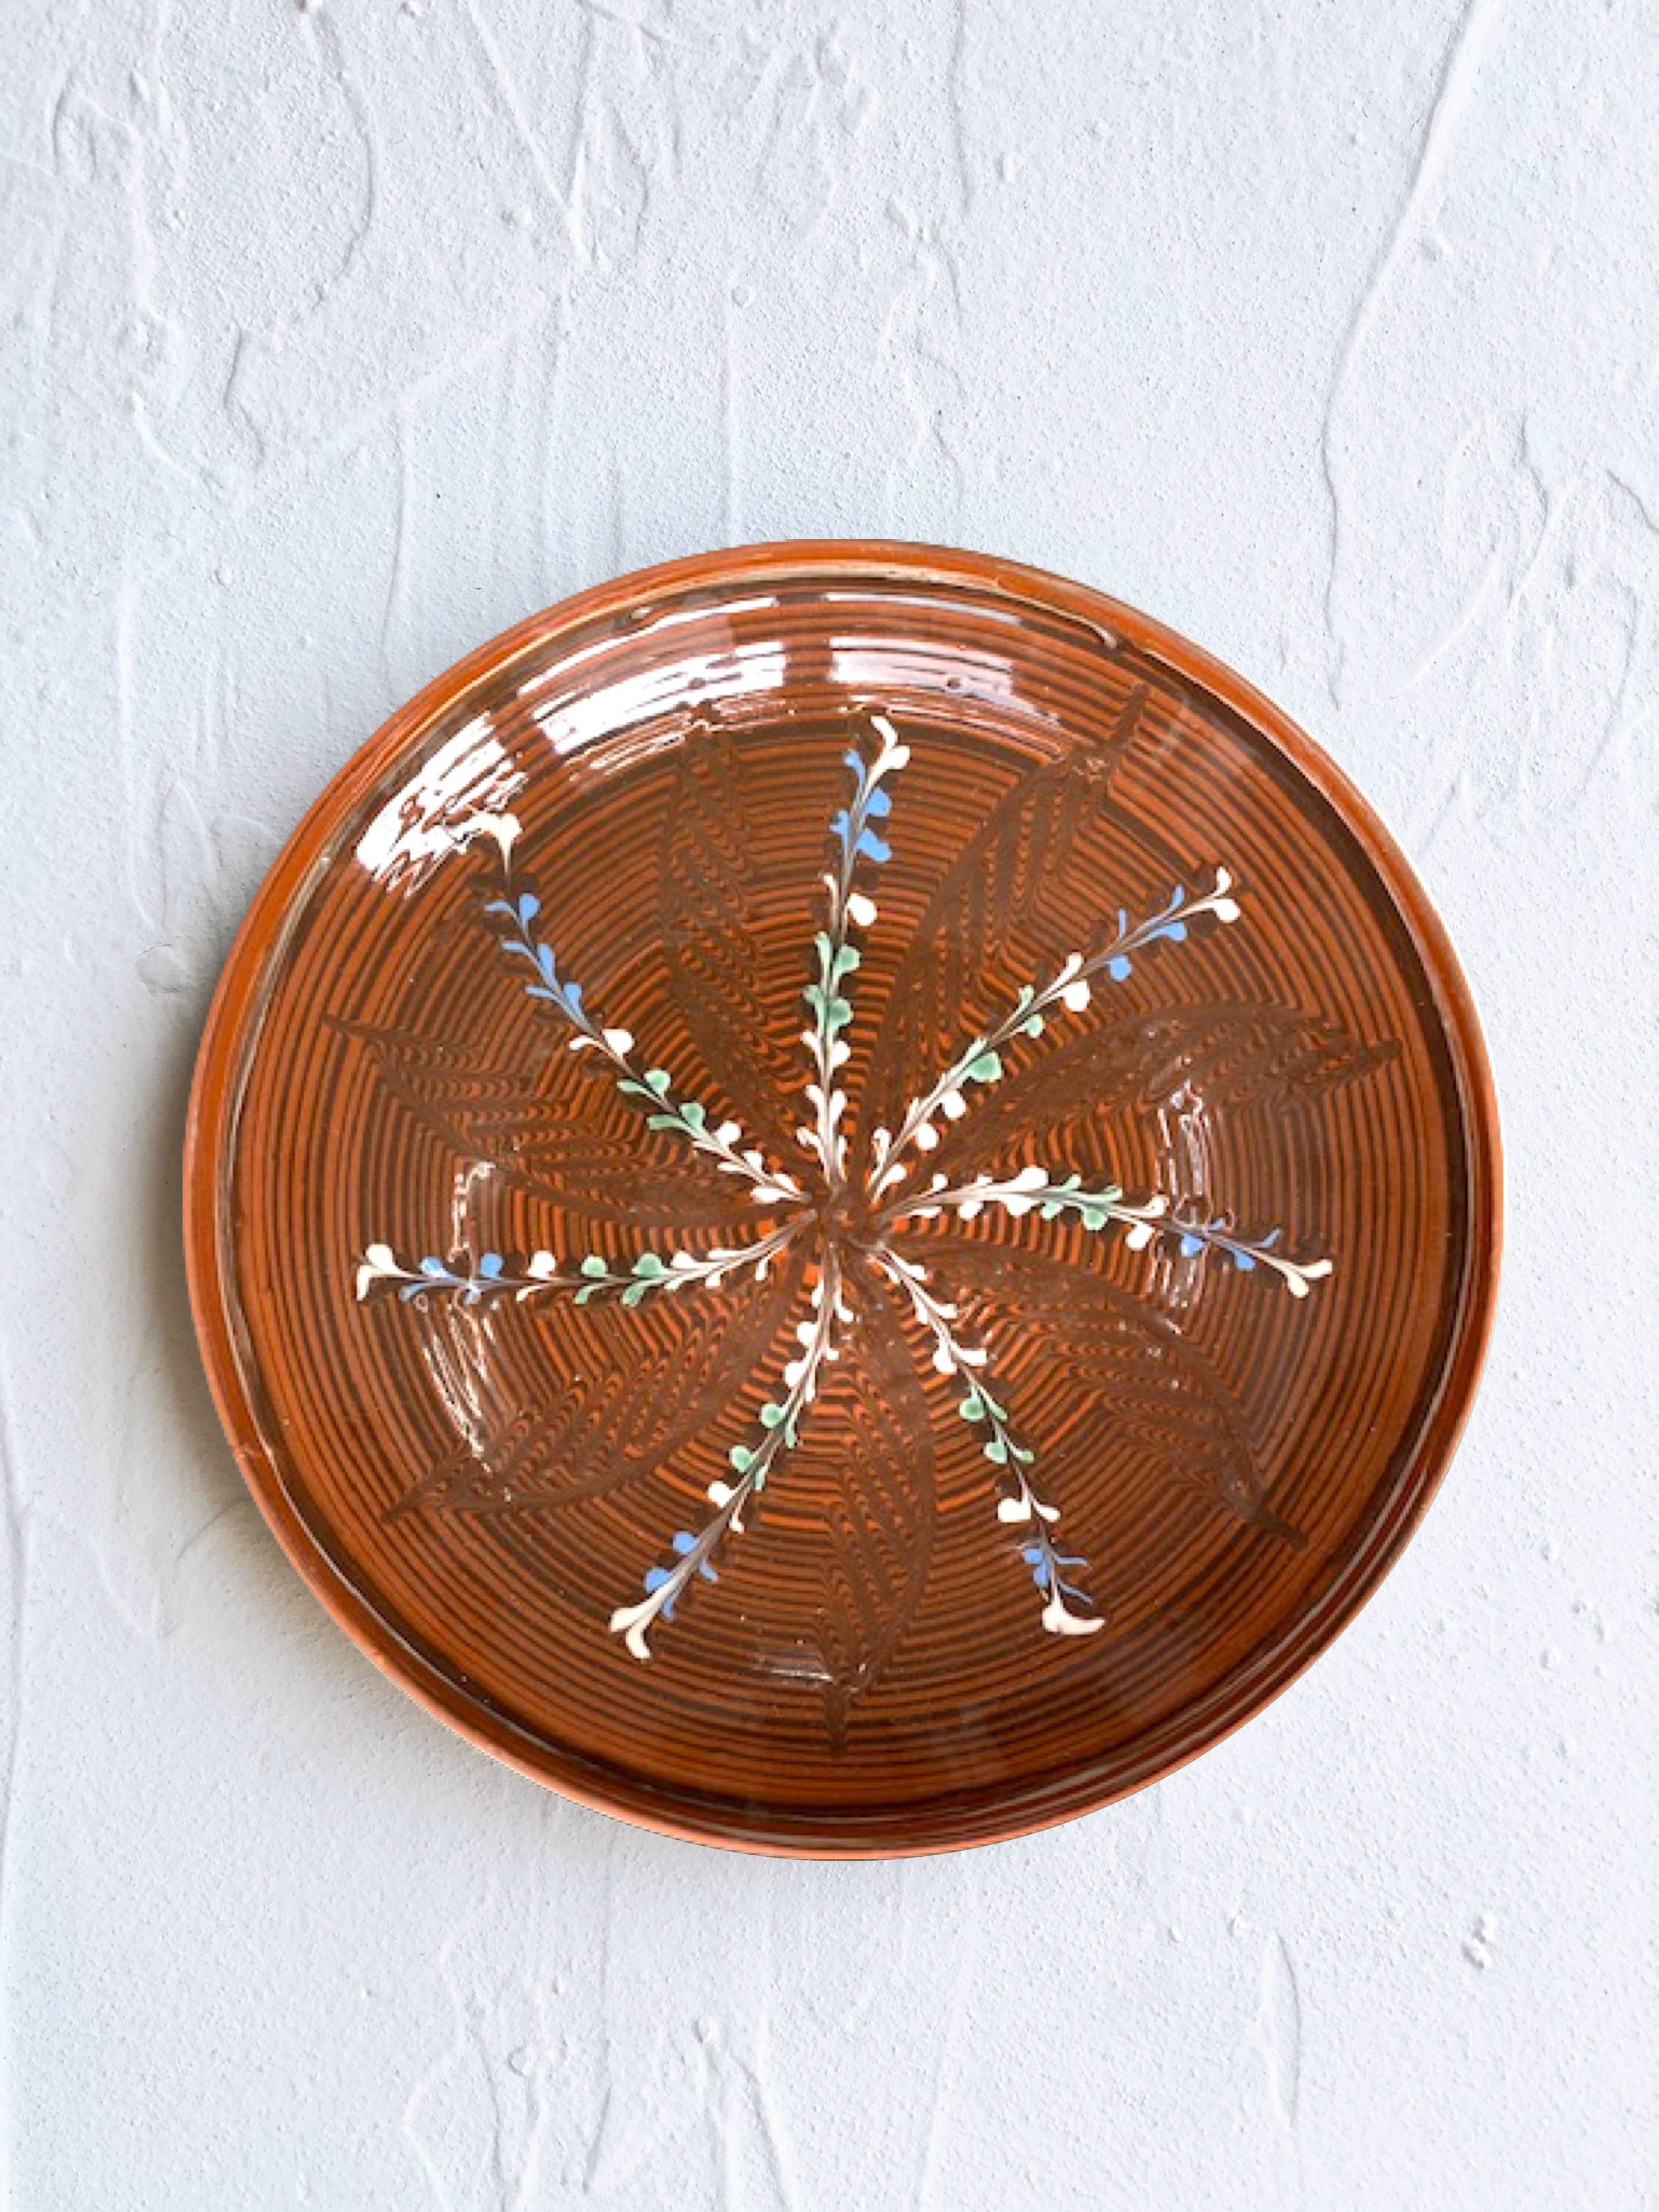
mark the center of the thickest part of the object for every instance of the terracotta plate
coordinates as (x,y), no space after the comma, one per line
(842,1199)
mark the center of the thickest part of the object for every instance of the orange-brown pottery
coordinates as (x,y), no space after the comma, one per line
(842,1199)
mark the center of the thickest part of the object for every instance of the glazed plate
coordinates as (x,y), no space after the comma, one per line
(842,1199)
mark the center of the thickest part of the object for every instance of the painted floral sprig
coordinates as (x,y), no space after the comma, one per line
(1069,989)
(651,1088)
(491,1278)
(1018,1501)
(752,1463)
(856,840)
(1038,1190)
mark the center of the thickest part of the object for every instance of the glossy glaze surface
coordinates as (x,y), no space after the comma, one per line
(840,1198)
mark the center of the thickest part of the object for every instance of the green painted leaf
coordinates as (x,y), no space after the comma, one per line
(659,1081)
(593,1265)
(771,1417)
(986,1068)
(741,1457)
(972,1408)
(846,961)
(649,1266)
(693,1115)
(996,1451)
(1093,1218)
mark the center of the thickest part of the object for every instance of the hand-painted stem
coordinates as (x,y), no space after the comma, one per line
(1042,1192)
(1069,989)
(827,997)
(968,1363)
(753,1464)
(1037,1190)
(491,1278)
(652,1088)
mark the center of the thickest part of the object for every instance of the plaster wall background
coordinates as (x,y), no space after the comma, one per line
(333,338)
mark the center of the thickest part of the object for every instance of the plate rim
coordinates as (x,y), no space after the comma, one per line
(229,1035)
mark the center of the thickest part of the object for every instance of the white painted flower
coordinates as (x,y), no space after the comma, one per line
(1059,1620)
(894,754)
(630,1623)
(503,828)
(1019,1194)
(379,1265)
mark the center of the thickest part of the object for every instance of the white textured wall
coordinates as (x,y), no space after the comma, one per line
(336,336)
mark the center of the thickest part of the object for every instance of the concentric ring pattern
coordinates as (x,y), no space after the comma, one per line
(909,1462)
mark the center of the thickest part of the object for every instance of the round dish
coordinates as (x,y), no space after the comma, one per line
(842,1199)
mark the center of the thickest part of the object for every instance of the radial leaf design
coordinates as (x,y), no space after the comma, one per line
(847,1229)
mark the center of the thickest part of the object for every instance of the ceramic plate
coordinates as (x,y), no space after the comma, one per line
(842,1199)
